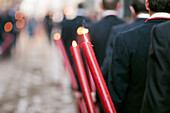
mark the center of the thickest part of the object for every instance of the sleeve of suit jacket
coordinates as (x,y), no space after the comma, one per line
(108,54)
(157,93)
(118,80)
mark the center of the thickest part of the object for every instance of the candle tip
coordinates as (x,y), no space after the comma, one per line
(57,36)
(74,43)
(81,30)
(85,30)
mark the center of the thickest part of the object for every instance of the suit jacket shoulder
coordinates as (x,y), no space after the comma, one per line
(128,70)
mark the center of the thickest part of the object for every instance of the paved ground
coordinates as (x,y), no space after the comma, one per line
(34,79)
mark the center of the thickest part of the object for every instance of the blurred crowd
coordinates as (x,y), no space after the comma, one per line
(10,26)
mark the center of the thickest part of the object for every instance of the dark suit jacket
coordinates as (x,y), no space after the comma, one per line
(99,33)
(115,30)
(48,26)
(128,70)
(157,93)
(69,33)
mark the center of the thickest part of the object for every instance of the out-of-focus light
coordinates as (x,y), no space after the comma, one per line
(74,43)
(20,24)
(82,30)
(57,36)
(68,11)
(57,16)
(8,27)
(19,15)
(85,30)
(79,30)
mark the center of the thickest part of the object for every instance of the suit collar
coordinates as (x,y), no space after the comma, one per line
(143,15)
(159,15)
(80,12)
(156,20)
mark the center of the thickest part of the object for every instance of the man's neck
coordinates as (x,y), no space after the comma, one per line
(109,12)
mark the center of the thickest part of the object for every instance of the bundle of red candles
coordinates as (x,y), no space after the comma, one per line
(82,77)
(95,71)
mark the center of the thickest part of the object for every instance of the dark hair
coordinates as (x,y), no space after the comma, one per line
(110,4)
(81,5)
(159,5)
(138,5)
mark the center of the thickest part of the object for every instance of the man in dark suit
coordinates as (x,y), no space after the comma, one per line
(69,28)
(128,69)
(69,31)
(140,15)
(99,32)
(157,92)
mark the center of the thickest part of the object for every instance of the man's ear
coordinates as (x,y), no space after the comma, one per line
(119,5)
(101,6)
(133,12)
(147,5)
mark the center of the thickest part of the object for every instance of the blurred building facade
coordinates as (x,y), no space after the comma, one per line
(40,7)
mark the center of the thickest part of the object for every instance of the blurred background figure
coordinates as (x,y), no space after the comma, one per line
(69,27)
(8,32)
(49,25)
(31,26)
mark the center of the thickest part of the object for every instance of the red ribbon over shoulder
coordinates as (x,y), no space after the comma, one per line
(157,18)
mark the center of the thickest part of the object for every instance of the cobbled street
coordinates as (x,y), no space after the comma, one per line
(34,79)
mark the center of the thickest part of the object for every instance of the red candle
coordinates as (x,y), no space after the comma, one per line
(8,40)
(97,75)
(91,81)
(59,43)
(82,108)
(82,77)
(81,40)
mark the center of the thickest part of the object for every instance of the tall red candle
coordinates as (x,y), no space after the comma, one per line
(8,40)
(59,43)
(82,77)
(91,81)
(97,76)
(81,40)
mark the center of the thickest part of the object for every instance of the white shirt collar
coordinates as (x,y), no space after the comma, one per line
(160,14)
(80,12)
(109,12)
(143,15)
